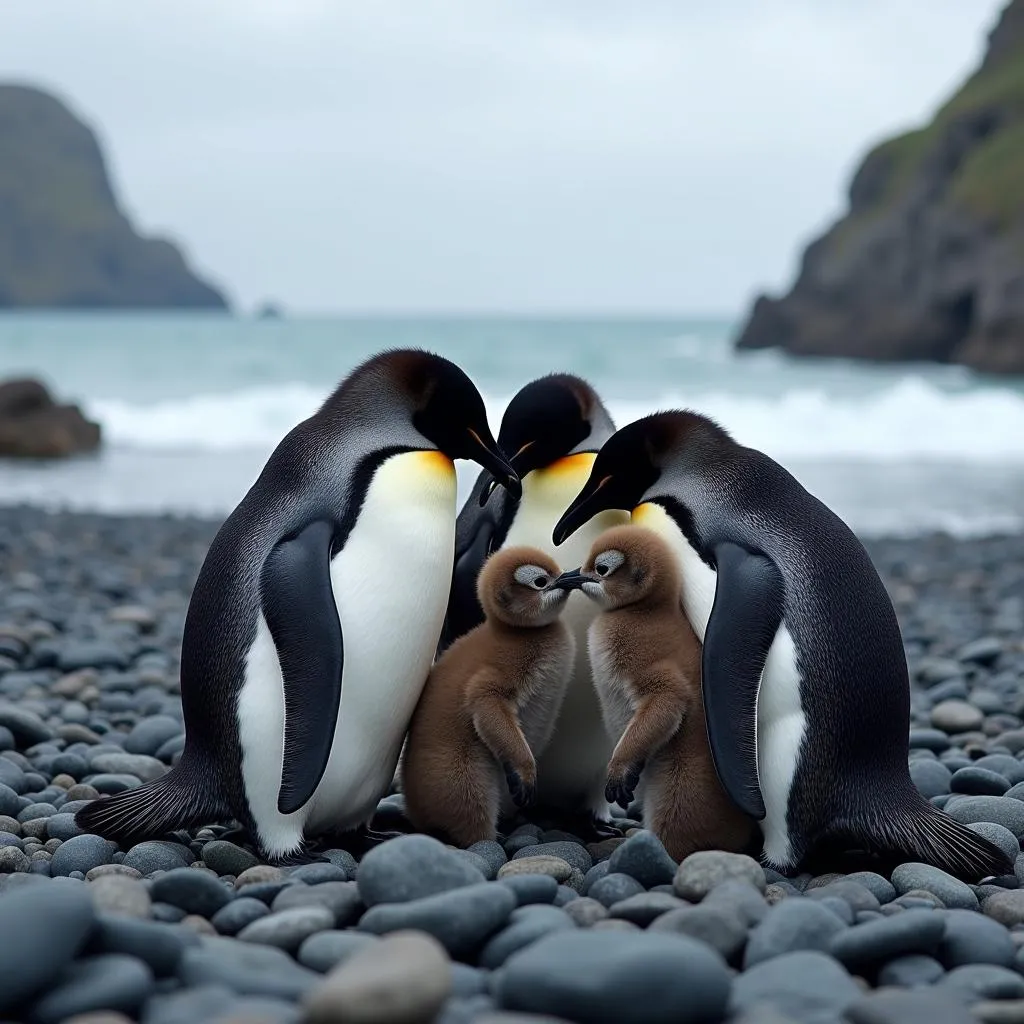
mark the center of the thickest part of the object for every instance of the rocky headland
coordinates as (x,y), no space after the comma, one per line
(65,241)
(541,926)
(928,262)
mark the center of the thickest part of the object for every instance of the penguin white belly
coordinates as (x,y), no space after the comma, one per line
(571,771)
(781,721)
(390,584)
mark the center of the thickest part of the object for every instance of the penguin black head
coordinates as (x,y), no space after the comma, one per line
(549,418)
(446,408)
(633,460)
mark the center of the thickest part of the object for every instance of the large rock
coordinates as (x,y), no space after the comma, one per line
(34,426)
(928,263)
(64,240)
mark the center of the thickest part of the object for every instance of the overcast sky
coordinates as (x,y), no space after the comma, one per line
(466,155)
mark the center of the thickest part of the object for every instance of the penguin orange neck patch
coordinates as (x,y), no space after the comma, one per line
(435,461)
(571,464)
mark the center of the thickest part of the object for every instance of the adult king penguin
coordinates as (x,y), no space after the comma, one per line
(551,431)
(316,614)
(805,680)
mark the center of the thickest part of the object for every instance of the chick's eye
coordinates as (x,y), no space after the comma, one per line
(601,569)
(540,582)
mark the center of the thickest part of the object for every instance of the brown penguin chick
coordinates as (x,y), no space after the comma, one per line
(490,703)
(646,664)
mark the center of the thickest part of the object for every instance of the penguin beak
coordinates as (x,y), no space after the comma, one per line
(487,454)
(489,487)
(584,507)
(571,580)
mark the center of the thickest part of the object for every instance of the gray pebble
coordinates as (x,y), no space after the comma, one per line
(157,856)
(972,938)
(529,889)
(985,981)
(316,874)
(151,734)
(643,857)
(493,855)
(586,912)
(573,854)
(955,716)
(951,891)
(241,911)
(460,919)
(340,898)
(881,888)
(82,853)
(716,928)
(226,858)
(193,891)
(325,950)
(645,907)
(908,1006)
(912,931)
(976,781)
(111,981)
(791,926)
(614,888)
(287,929)
(526,925)
(804,986)
(910,971)
(701,872)
(118,894)
(161,946)
(246,968)
(603,978)
(1003,810)
(999,835)
(411,868)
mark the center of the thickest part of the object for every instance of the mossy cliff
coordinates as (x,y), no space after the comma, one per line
(928,263)
(64,241)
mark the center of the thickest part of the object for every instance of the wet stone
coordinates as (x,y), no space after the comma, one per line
(193,891)
(82,853)
(410,868)
(701,872)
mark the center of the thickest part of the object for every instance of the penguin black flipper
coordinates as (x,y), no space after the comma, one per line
(745,616)
(478,532)
(299,606)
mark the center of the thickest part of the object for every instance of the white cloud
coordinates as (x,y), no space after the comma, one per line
(464,154)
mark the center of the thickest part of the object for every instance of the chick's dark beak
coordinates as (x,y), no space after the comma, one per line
(488,455)
(573,579)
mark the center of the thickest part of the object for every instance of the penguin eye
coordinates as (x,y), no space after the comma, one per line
(532,576)
(608,561)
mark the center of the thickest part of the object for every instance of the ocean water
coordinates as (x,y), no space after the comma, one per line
(192,405)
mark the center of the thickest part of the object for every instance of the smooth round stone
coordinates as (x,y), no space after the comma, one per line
(739,899)
(911,931)
(288,929)
(492,854)
(111,981)
(25,726)
(468,981)
(860,897)
(34,811)
(805,985)
(955,716)
(529,889)
(47,925)
(193,891)
(344,860)
(908,1006)
(555,867)
(157,856)
(13,859)
(460,919)
(716,928)
(237,914)
(574,854)
(791,926)
(643,857)
(10,804)
(951,891)
(614,888)
(976,781)
(598,871)
(62,826)
(999,835)
(929,739)
(228,859)
(141,766)
(246,968)
(566,894)
(105,870)
(90,654)
(972,938)
(159,945)
(317,874)
(985,981)
(325,950)
(475,861)
(881,888)
(411,868)
(515,843)
(910,971)
(340,898)
(118,894)
(168,914)
(82,853)
(586,912)
(1003,810)
(112,784)
(1003,764)
(262,874)
(604,977)
(983,651)
(151,734)
(645,907)
(526,925)
(404,979)
(1006,907)
(701,872)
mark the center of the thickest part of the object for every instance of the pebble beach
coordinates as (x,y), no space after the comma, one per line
(540,927)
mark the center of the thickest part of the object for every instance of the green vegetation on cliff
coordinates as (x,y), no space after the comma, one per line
(64,242)
(928,263)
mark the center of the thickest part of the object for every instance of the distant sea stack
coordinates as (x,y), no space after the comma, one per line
(928,264)
(64,241)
